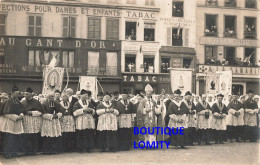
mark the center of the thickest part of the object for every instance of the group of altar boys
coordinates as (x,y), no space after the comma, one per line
(63,122)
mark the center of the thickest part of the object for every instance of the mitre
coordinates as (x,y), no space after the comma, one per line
(148,88)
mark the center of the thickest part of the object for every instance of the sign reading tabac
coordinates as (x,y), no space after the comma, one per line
(181,79)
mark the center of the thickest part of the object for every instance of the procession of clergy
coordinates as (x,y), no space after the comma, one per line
(77,123)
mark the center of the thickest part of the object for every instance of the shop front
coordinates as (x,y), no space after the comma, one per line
(24,58)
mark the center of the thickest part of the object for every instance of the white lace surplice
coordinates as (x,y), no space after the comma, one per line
(10,126)
(32,124)
(51,128)
(125,121)
(67,123)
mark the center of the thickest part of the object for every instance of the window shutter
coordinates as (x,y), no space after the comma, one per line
(169,36)
(72,27)
(94,28)
(112,29)
(65,59)
(38,25)
(31,26)
(186,39)
(65,26)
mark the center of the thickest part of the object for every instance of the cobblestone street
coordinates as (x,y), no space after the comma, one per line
(229,153)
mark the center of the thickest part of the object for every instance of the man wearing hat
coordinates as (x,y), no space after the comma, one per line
(251,112)
(219,111)
(32,123)
(11,125)
(177,118)
(51,128)
(57,95)
(83,110)
(126,110)
(148,107)
(115,97)
(236,118)
(203,124)
(188,106)
(107,124)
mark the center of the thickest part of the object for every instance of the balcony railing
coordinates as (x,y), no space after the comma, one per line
(230,3)
(251,34)
(176,42)
(230,35)
(211,33)
(211,2)
(237,70)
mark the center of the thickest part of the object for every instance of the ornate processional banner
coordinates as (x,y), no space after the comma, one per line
(212,83)
(181,79)
(53,79)
(225,82)
(89,83)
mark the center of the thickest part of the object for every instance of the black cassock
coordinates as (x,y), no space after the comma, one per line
(51,129)
(85,126)
(11,128)
(126,109)
(32,125)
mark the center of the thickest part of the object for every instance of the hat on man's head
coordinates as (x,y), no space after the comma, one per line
(29,90)
(4,96)
(188,93)
(220,95)
(148,88)
(15,89)
(178,92)
(125,92)
(57,91)
(107,94)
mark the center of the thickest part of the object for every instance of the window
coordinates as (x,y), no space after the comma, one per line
(149,2)
(148,64)
(230,3)
(177,9)
(238,88)
(177,37)
(130,1)
(111,64)
(230,26)
(165,65)
(35,25)
(212,2)
(130,65)
(230,58)
(112,1)
(149,31)
(250,27)
(94,28)
(130,30)
(68,59)
(2,56)
(211,25)
(187,63)
(250,58)
(112,29)
(250,3)
(93,63)
(2,24)
(48,55)
(34,58)
(69,26)
(210,54)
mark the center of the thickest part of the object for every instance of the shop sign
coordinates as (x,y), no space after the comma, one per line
(139,78)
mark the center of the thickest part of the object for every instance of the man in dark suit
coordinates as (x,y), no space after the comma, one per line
(72,99)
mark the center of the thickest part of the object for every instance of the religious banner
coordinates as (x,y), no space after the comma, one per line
(53,78)
(212,83)
(225,82)
(181,79)
(89,83)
